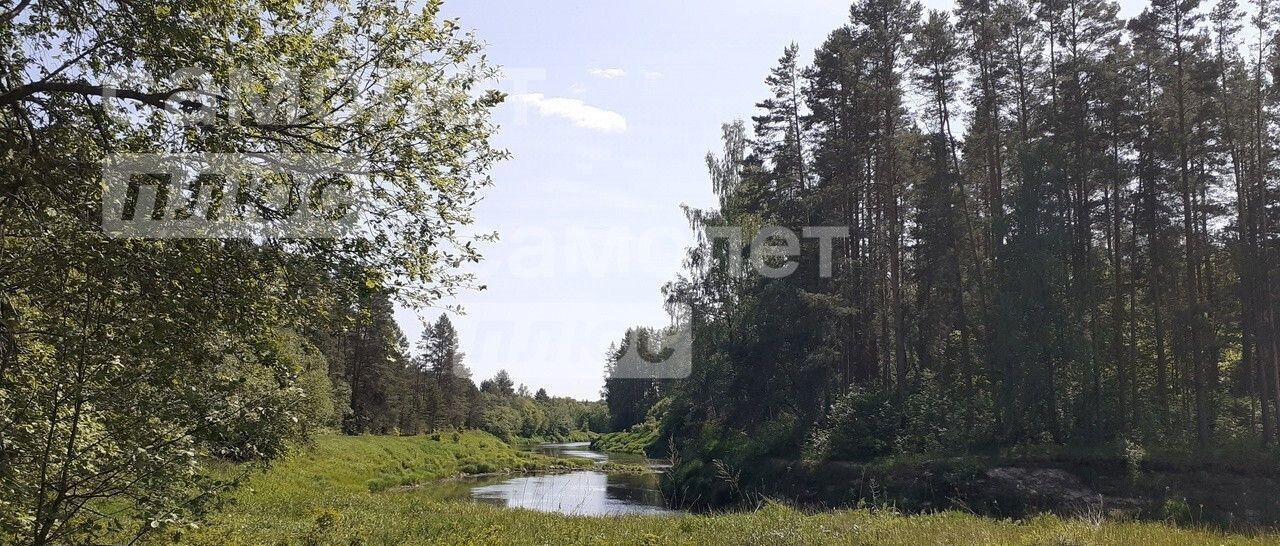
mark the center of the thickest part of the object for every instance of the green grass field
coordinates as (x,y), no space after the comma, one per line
(345,491)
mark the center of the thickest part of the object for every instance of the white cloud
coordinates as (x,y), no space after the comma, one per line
(580,113)
(608,73)
(652,75)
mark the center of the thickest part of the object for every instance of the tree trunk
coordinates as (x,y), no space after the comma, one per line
(1192,308)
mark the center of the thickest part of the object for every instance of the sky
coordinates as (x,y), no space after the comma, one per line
(612,108)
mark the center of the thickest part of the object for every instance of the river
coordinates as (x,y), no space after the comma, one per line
(584,492)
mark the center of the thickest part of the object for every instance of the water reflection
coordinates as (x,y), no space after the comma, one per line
(583,450)
(587,492)
(580,450)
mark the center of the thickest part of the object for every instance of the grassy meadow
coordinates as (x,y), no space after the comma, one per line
(349,490)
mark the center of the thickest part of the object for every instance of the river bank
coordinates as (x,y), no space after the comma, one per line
(1025,488)
(333,494)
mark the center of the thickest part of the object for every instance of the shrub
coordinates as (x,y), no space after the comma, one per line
(863,426)
(1176,510)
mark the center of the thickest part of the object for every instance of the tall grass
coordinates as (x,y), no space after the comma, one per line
(342,492)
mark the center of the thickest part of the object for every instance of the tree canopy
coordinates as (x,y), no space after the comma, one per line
(124,361)
(1058,225)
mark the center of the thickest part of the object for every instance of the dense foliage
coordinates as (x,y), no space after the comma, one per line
(631,400)
(1059,225)
(126,363)
(640,438)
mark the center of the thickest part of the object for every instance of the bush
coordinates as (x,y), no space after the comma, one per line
(931,420)
(863,426)
(502,421)
(1176,510)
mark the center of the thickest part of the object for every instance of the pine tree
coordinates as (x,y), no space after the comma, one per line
(885,26)
(441,355)
(779,136)
(941,226)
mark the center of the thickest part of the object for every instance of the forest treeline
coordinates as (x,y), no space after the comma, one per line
(1062,232)
(379,387)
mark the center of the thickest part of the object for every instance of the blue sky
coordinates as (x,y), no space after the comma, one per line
(613,107)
